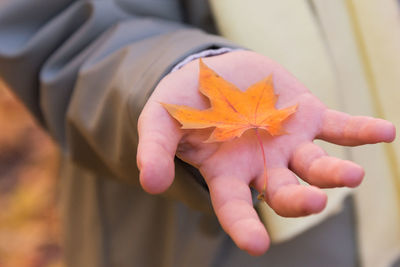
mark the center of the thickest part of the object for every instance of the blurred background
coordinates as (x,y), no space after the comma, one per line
(29,222)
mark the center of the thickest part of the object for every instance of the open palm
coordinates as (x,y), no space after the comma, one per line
(229,168)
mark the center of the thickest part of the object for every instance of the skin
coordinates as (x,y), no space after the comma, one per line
(231,168)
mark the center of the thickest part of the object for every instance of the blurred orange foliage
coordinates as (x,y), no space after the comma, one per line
(29,222)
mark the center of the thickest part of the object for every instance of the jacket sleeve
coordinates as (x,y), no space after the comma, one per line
(85,69)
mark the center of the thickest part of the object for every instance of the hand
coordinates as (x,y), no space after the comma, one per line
(229,168)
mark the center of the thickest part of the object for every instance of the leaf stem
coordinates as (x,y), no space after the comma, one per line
(261,196)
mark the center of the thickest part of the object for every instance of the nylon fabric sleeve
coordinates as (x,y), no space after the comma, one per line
(85,69)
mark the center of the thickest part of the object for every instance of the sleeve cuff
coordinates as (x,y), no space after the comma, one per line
(205,53)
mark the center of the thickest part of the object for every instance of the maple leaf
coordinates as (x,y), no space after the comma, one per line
(232,111)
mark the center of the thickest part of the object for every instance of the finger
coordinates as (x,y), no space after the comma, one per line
(343,129)
(159,135)
(232,202)
(311,163)
(287,197)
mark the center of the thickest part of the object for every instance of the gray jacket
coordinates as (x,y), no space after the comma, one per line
(85,70)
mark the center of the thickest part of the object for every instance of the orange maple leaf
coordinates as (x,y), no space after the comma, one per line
(232,111)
